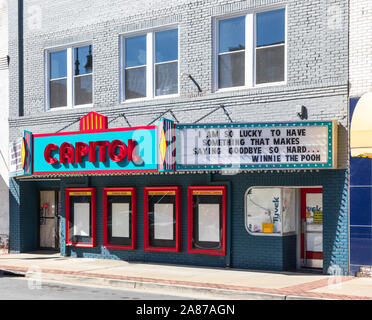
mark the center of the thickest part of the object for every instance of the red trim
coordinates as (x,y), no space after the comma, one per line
(94,131)
(190,190)
(309,254)
(92,212)
(314,255)
(147,247)
(133,218)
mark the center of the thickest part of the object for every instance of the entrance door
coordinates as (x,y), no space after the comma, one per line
(312,228)
(48,220)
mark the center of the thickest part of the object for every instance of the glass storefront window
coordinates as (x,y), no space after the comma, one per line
(270,210)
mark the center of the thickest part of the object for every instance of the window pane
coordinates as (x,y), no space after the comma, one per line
(58,64)
(83,90)
(166,45)
(231,70)
(207,229)
(166,78)
(58,93)
(135,83)
(270,64)
(83,60)
(264,211)
(270,27)
(289,210)
(119,220)
(231,34)
(162,226)
(135,51)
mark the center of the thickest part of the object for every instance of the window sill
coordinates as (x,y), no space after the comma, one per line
(82,106)
(257,86)
(170,96)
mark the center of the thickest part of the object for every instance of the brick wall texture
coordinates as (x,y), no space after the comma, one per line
(360,47)
(4,128)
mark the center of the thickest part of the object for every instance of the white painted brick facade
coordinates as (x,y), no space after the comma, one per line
(360,47)
(4,127)
(317,55)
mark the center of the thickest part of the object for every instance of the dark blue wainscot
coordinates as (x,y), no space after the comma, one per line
(243,250)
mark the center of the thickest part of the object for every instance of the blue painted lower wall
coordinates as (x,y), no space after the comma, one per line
(360,209)
(244,250)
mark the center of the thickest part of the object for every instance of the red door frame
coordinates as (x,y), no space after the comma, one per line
(309,254)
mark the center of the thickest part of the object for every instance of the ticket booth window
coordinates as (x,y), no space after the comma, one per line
(207,220)
(119,218)
(162,215)
(80,204)
(270,210)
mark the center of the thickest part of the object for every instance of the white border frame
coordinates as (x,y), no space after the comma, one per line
(150,63)
(70,76)
(250,49)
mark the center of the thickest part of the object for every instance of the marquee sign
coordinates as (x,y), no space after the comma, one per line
(20,156)
(303,145)
(97,149)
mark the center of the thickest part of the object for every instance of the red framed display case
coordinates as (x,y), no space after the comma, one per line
(83,199)
(206,234)
(123,196)
(162,238)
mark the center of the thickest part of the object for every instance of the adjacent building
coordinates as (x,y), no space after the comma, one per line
(360,137)
(4,129)
(211,133)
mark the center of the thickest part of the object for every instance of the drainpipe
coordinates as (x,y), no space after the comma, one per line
(20,60)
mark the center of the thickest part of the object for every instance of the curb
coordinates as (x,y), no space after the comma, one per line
(196,292)
(191,291)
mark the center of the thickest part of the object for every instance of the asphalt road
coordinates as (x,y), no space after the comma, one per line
(20,288)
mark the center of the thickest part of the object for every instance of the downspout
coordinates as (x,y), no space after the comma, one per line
(20,60)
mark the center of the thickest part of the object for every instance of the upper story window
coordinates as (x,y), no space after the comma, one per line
(150,65)
(251,50)
(70,73)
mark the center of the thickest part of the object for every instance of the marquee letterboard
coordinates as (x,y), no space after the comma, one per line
(303,145)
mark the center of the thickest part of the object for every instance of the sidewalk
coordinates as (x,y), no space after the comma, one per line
(198,282)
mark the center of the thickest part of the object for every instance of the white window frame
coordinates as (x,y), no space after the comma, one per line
(150,64)
(250,50)
(70,76)
(297,206)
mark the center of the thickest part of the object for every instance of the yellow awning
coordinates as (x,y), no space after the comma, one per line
(361,128)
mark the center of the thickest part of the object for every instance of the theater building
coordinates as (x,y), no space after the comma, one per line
(192,133)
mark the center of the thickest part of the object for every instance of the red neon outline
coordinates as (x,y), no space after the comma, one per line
(190,249)
(309,254)
(133,218)
(91,171)
(92,244)
(147,247)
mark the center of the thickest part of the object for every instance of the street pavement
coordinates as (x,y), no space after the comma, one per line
(21,288)
(187,281)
